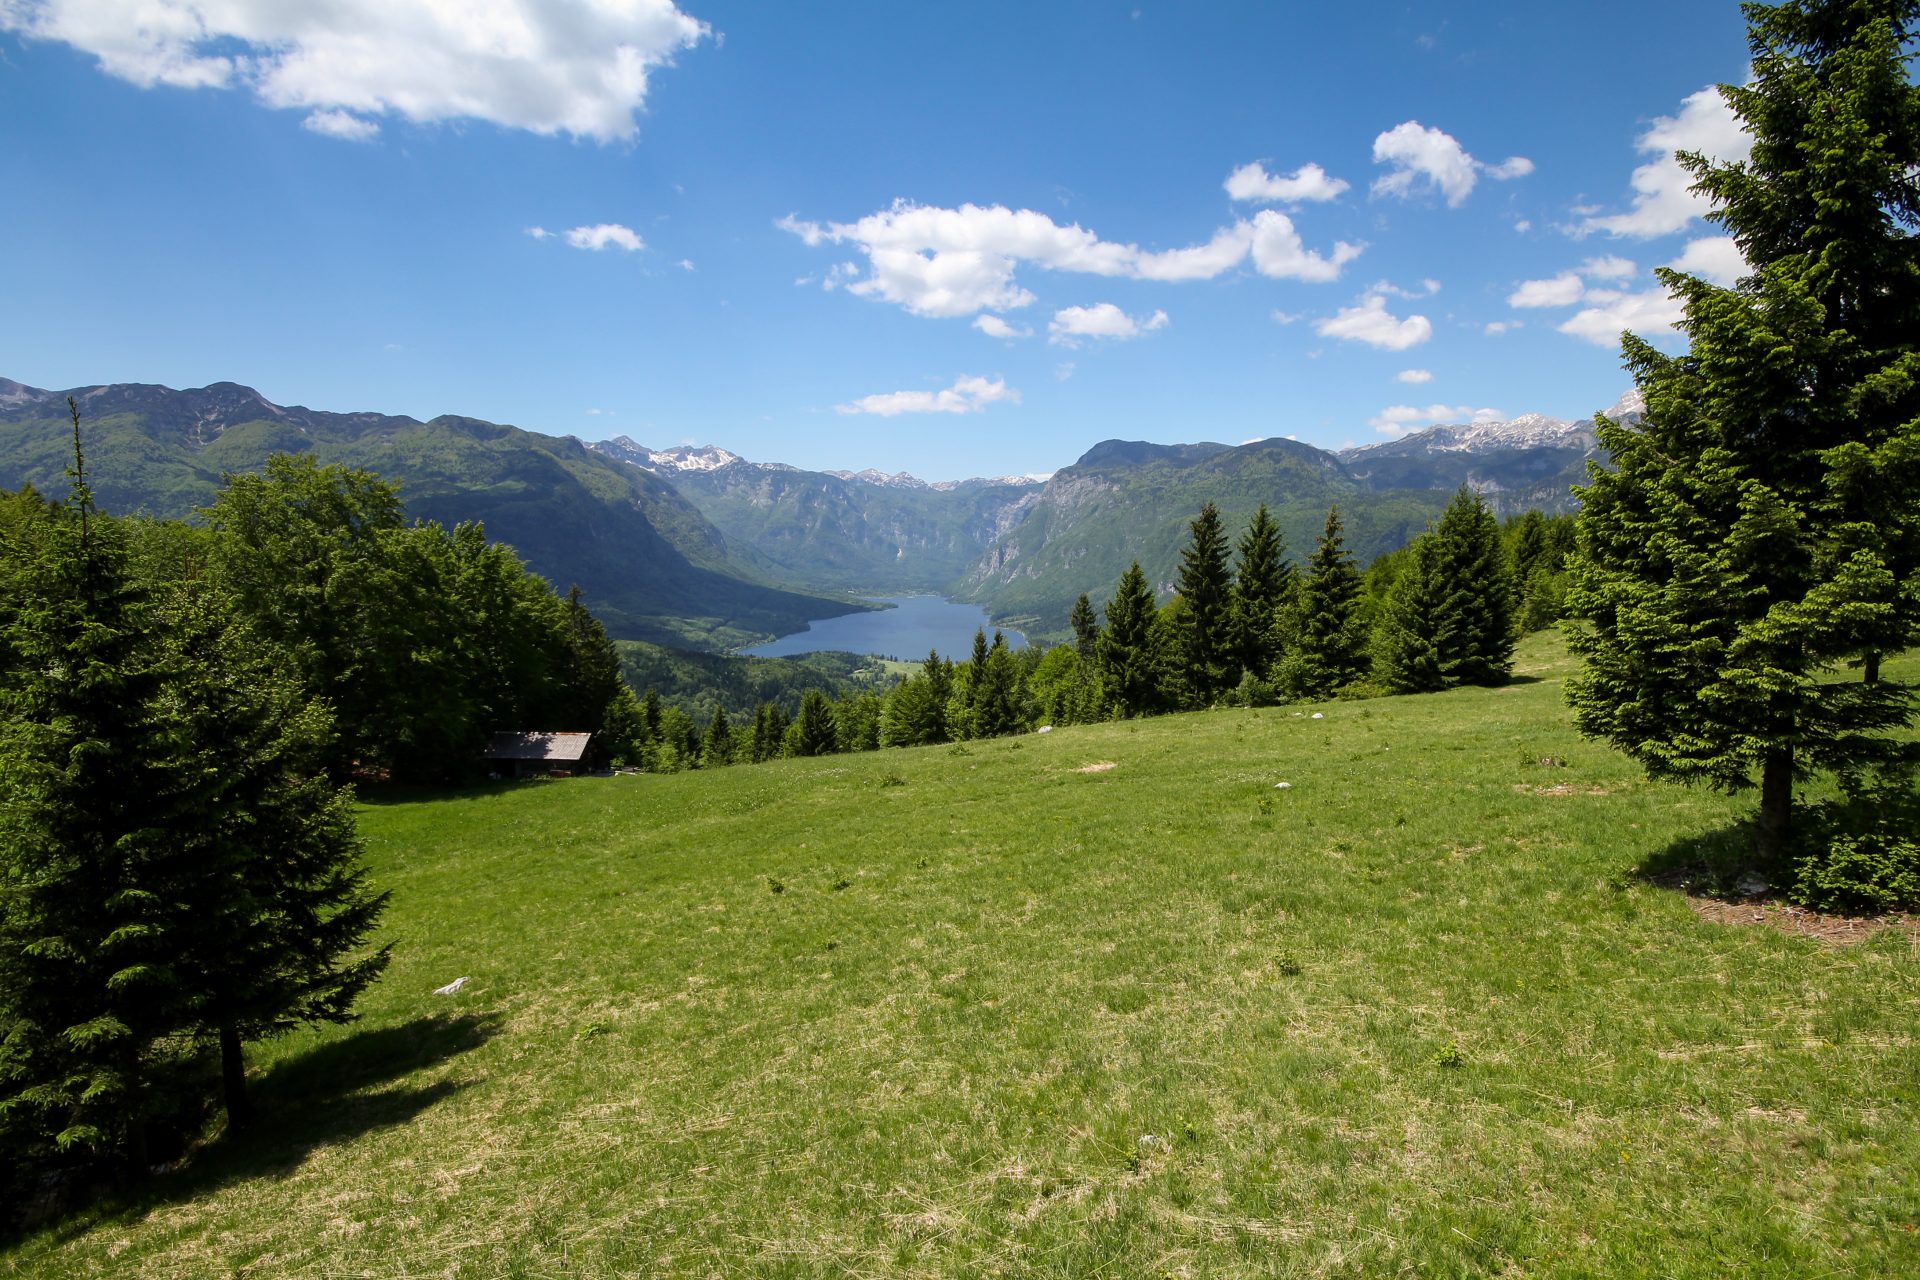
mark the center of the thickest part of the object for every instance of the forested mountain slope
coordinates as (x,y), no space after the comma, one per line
(650,565)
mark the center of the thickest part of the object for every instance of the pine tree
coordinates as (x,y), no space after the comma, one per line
(1206,635)
(769,732)
(1758,529)
(1262,586)
(1333,645)
(813,732)
(1127,654)
(1414,625)
(1086,628)
(718,747)
(1448,618)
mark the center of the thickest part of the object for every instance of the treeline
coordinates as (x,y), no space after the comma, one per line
(1251,629)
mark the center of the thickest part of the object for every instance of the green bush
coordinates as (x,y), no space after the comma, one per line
(1860,854)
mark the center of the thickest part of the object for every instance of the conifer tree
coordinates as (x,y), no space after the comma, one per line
(1759,528)
(1086,628)
(1333,645)
(1262,584)
(813,732)
(1415,625)
(1205,637)
(769,732)
(1127,653)
(718,747)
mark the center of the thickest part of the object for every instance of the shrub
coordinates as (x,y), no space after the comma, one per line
(1860,854)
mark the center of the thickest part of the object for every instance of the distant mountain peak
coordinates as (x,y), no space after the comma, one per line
(873,475)
(681,457)
(12,392)
(1528,431)
(1631,404)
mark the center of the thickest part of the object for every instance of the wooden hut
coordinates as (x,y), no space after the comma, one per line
(538,755)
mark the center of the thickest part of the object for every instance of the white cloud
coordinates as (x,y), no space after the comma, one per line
(341,124)
(1370,322)
(955,262)
(1562,290)
(605,235)
(1279,254)
(1651,313)
(1607,268)
(540,233)
(1523,226)
(1102,320)
(1308,182)
(1287,317)
(1413,375)
(1716,259)
(995,327)
(1063,371)
(686,264)
(1397,420)
(1423,157)
(966,395)
(1495,328)
(1663,199)
(578,69)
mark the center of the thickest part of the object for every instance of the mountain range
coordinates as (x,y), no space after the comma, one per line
(702,548)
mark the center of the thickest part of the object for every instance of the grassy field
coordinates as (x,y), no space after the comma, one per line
(1103,1002)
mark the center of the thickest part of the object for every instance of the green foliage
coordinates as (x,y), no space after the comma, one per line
(1448,619)
(1333,637)
(1206,640)
(1759,529)
(1128,652)
(1861,852)
(813,732)
(1263,587)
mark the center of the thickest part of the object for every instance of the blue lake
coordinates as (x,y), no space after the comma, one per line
(908,630)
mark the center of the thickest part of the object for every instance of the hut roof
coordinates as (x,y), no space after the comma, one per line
(538,746)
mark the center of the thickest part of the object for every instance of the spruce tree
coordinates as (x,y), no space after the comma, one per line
(1758,529)
(1205,638)
(813,732)
(718,747)
(1127,655)
(1262,586)
(1086,628)
(1413,628)
(1333,645)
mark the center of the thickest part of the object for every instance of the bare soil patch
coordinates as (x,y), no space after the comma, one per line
(1098,766)
(1559,789)
(1837,931)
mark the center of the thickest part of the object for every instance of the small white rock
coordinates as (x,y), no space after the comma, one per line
(451,987)
(1283,786)
(1319,715)
(1045,728)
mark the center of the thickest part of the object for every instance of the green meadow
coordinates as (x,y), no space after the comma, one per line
(1101,1002)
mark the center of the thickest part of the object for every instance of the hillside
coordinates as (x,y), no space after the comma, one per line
(862,532)
(1103,1002)
(651,566)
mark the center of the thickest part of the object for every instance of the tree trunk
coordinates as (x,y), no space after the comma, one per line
(1776,807)
(233,1079)
(1870,673)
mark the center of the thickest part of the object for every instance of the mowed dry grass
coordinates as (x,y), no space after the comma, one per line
(1099,1002)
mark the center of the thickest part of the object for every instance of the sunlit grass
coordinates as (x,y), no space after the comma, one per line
(991,1010)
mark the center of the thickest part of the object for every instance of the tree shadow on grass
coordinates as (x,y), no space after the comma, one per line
(1708,864)
(331,1094)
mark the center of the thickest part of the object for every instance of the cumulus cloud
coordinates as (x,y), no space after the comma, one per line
(1423,158)
(1663,201)
(605,235)
(1716,259)
(995,327)
(1607,268)
(966,395)
(1562,290)
(1397,420)
(575,68)
(1413,375)
(1369,321)
(954,262)
(1650,313)
(1307,183)
(341,124)
(1102,320)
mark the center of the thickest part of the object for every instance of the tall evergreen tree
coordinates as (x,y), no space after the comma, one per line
(717,748)
(1086,628)
(1262,586)
(813,732)
(1759,528)
(1333,644)
(1205,637)
(1127,653)
(1415,625)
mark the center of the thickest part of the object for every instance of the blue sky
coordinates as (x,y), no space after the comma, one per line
(947,239)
